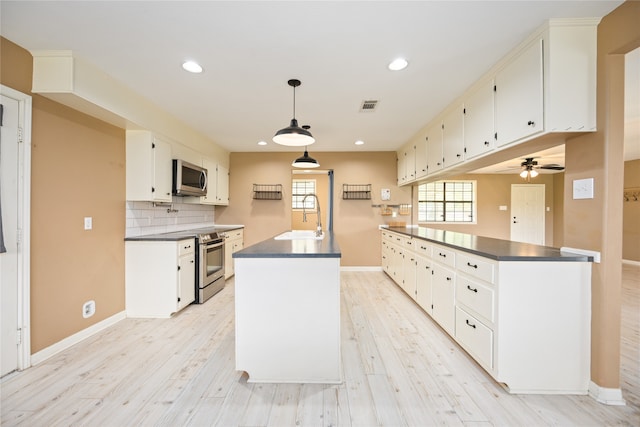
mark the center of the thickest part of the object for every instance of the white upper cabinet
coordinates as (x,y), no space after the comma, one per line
(453,137)
(545,85)
(222,185)
(478,121)
(519,96)
(434,149)
(421,155)
(149,170)
(406,164)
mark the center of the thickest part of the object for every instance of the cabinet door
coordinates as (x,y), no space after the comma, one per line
(409,273)
(186,280)
(222,185)
(421,155)
(478,121)
(434,150)
(212,180)
(443,297)
(519,96)
(401,166)
(423,283)
(452,137)
(162,171)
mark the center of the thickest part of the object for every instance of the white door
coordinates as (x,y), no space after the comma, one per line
(14,188)
(527,213)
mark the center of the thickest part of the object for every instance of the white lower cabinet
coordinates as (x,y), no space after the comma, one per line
(159,277)
(234,241)
(527,323)
(443,297)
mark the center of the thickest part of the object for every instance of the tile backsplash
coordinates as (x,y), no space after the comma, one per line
(144,218)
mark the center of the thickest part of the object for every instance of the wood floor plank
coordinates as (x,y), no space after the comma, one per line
(399,368)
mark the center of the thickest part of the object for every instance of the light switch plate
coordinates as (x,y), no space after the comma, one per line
(583,188)
(88,223)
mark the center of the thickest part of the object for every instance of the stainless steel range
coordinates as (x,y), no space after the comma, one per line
(209,266)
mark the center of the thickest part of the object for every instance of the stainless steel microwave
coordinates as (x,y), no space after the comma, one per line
(189,179)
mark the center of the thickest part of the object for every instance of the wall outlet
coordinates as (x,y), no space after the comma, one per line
(88,223)
(88,309)
(385,194)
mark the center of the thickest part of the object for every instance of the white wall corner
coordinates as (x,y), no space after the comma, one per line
(64,344)
(608,396)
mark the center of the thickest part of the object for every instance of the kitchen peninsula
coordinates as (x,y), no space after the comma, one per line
(287,297)
(522,311)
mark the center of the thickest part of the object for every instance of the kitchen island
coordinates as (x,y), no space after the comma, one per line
(287,298)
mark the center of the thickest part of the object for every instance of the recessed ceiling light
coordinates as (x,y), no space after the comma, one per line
(262,143)
(398,64)
(192,67)
(359,142)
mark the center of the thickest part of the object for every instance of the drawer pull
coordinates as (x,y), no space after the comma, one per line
(472,265)
(442,255)
(449,278)
(470,324)
(471,289)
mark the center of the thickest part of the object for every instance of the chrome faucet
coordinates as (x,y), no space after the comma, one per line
(304,213)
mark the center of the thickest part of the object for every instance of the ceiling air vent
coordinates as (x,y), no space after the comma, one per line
(368,106)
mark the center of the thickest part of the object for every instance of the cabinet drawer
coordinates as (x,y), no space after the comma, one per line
(444,256)
(476,267)
(186,247)
(422,247)
(408,243)
(236,234)
(475,337)
(476,297)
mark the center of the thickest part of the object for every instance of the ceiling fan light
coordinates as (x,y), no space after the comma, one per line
(305,161)
(533,173)
(293,136)
(524,174)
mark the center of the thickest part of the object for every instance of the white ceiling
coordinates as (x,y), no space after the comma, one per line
(338,49)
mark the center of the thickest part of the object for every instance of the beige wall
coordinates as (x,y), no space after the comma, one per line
(77,170)
(493,191)
(631,213)
(596,223)
(355,221)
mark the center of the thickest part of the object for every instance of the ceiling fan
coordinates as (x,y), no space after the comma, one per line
(529,167)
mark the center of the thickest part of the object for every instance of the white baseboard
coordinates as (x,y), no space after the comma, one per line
(56,348)
(608,396)
(631,262)
(362,268)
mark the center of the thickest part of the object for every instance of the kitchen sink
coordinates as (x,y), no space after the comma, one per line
(299,235)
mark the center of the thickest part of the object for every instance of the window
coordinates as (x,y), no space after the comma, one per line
(447,201)
(301,187)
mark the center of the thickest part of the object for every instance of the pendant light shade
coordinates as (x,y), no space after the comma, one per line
(305,161)
(294,135)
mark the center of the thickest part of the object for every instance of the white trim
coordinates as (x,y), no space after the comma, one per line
(64,344)
(362,268)
(608,396)
(24,224)
(631,262)
(594,254)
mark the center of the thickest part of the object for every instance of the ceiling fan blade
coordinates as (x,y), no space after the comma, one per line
(552,167)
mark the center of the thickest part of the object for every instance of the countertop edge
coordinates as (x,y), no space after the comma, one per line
(174,236)
(536,253)
(301,248)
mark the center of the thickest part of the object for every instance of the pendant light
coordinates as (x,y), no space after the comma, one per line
(305,162)
(294,135)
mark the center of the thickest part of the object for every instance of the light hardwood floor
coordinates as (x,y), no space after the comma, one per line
(400,369)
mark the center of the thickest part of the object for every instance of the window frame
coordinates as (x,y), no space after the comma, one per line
(310,203)
(444,202)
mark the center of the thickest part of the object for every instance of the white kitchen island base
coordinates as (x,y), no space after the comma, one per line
(288,319)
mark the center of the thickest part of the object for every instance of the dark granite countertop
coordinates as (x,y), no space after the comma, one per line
(299,248)
(496,249)
(184,234)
